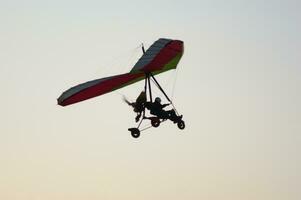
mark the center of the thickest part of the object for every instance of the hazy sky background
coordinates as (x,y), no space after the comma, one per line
(237,85)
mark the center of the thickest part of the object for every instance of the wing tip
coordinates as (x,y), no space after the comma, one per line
(60,103)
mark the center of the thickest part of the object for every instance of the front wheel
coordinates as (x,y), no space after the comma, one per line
(155,122)
(181,124)
(134,132)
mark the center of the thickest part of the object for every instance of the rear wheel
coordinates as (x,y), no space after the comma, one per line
(181,124)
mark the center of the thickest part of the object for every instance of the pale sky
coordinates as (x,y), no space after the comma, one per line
(237,85)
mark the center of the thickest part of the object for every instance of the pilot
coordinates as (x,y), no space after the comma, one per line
(156,108)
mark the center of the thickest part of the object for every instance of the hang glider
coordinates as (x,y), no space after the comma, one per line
(162,55)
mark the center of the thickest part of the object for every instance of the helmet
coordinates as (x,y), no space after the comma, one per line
(157,99)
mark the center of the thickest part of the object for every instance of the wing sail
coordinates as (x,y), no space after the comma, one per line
(163,55)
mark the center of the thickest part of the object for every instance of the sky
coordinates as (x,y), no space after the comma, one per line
(237,86)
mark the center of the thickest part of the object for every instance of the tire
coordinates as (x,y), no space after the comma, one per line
(134,132)
(155,122)
(181,124)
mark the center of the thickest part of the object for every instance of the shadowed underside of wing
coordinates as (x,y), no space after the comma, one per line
(97,87)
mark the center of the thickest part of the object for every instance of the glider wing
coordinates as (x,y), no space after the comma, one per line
(163,55)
